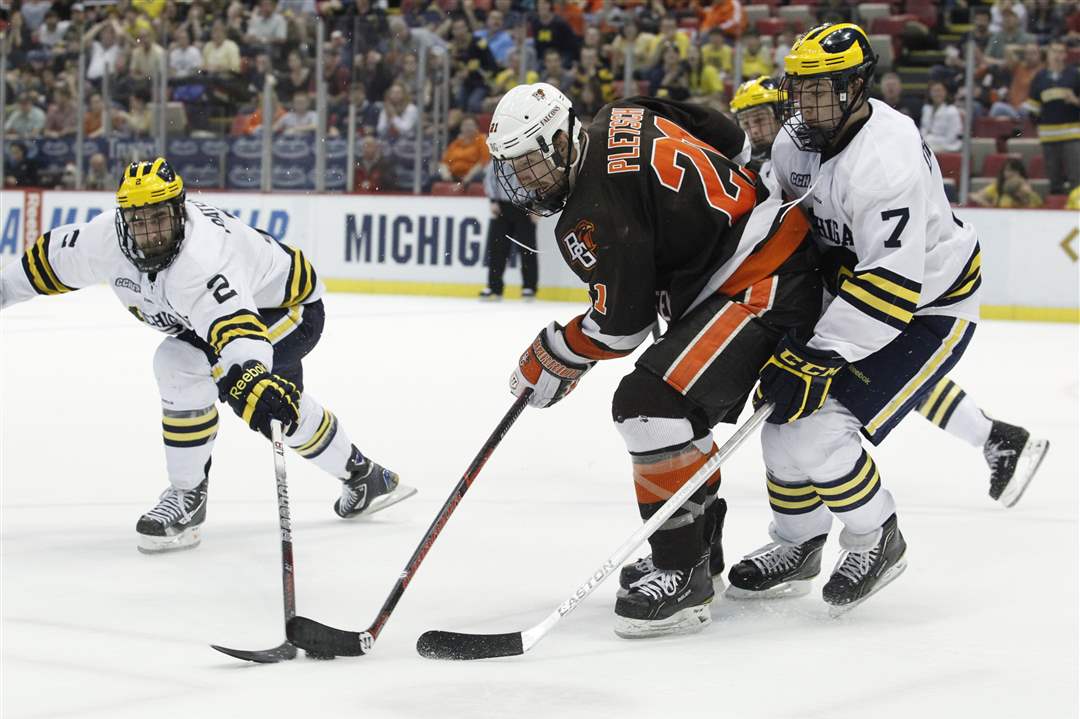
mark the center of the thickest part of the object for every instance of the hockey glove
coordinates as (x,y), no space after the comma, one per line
(797,380)
(258,396)
(541,368)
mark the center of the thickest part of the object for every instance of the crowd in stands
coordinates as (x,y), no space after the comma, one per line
(216,55)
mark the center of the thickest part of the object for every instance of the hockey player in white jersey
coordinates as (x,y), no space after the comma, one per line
(1012,454)
(241,311)
(898,323)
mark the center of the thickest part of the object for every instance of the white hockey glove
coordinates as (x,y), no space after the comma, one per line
(544,368)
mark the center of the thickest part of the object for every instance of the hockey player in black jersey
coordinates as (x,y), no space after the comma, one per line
(661,221)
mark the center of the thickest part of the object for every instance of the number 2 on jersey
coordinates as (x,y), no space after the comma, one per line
(733,195)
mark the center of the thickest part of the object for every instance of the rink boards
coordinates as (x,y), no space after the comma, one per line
(403,244)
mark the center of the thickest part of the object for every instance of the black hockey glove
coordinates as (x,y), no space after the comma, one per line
(258,396)
(797,380)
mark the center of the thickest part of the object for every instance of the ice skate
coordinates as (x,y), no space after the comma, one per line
(860,575)
(666,602)
(371,488)
(1014,456)
(639,568)
(776,570)
(489,295)
(175,522)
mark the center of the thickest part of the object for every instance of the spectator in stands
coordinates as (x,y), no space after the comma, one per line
(757,60)
(20,170)
(221,55)
(671,76)
(367,112)
(1054,101)
(705,80)
(34,12)
(999,9)
(892,94)
(669,34)
(941,126)
(1009,189)
(508,221)
(507,78)
(1012,33)
(781,48)
(374,172)
(553,72)
(551,31)
(1023,70)
(298,79)
(473,65)
(236,28)
(606,15)
(716,53)
(640,44)
(185,60)
(18,37)
(499,40)
(980,27)
(104,48)
(1045,20)
(370,69)
(61,120)
(94,117)
(591,71)
(51,33)
(727,16)
(26,121)
(196,25)
(139,119)
(267,27)
(255,78)
(1073,201)
(300,118)
(144,64)
(398,117)
(466,156)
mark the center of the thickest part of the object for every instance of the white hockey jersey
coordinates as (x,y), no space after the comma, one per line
(882,198)
(225,273)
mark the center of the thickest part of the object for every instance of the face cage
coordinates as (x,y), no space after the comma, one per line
(819,137)
(167,251)
(544,170)
(774,109)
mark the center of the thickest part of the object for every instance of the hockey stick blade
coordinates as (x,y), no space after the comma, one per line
(453,645)
(320,640)
(281,653)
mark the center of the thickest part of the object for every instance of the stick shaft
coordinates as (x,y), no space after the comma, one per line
(533,635)
(288,581)
(447,509)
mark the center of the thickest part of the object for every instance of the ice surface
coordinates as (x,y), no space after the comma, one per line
(983,623)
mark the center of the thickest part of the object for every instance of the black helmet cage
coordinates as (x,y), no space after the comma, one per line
(817,137)
(542,202)
(134,232)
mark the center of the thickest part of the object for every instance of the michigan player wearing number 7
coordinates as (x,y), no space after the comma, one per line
(1012,454)
(241,311)
(902,316)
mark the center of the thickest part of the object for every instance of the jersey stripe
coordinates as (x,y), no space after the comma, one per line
(585,346)
(242,323)
(967,282)
(782,242)
(884,295)
(302,279)
(40,271)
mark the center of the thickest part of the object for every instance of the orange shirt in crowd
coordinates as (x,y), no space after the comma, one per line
(727,15)
(461,156)
(571,12)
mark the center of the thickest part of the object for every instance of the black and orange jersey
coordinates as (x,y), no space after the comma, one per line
(662,215)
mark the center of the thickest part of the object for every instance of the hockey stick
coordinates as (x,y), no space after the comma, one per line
(456,645)
(285,650)
(323,641)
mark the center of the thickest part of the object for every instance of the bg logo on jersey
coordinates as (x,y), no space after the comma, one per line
(580,244)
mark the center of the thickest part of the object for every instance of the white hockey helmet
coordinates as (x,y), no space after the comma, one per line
(528,165)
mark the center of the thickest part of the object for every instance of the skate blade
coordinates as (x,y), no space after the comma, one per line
(686,621)
(839,610)
(188,539)
(784,590)
(1026,465)
(400,494)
